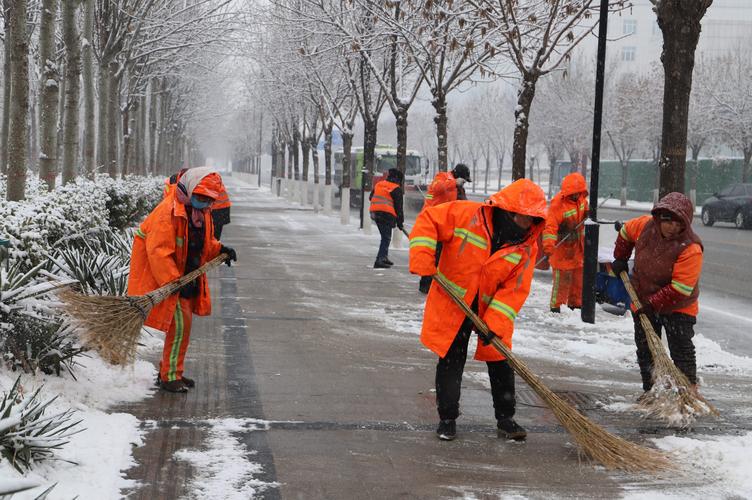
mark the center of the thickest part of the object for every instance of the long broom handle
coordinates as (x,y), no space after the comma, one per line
(179,283)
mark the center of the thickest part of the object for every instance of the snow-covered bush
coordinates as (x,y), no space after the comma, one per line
(76,233)
(28,436)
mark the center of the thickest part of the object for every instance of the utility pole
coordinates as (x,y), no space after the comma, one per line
(590,267)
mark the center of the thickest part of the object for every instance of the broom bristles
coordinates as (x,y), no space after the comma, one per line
(672,397)
(593,440)
(112,324)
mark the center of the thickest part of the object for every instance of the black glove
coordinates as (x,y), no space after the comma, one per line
(619,265)
(486,339)
(646,309)
(231,255)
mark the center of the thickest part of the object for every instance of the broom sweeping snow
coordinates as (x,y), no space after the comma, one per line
(597,443)
(111,324)
(672,397)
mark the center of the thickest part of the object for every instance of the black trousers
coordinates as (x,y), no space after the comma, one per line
(385,229)
(679,332)
(449,380)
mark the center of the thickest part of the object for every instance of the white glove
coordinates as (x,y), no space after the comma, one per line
(460,181)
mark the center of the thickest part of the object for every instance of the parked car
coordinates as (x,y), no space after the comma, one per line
(733,204)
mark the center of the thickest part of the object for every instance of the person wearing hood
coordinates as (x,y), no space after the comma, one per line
(176,238)
(445,187)
(564,241)
(386,211)
(666,277)
(220,208)
(488,257)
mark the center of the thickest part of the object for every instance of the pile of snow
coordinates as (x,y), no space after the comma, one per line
(93,463)
(225,470)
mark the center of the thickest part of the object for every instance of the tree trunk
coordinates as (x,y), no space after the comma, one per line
(401,122)
(113,112)
(525,96)
(305,146)
(347,138)
(624,173)
(500,159)
(290,155)
(370,132)
(296,154)
(328,155)
(19,107)
(746,166)
(33,151)
(315,159)
(127,126)
(488,170)
(6,88)
(103,121)
(679,21)
(49,88)
(72,90)
(440,106)
(141,143)
(88,82)
(552,159)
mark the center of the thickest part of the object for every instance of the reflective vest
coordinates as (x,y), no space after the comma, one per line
(382,201)
(564,225)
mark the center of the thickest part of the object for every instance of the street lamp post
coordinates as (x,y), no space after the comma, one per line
(591,230)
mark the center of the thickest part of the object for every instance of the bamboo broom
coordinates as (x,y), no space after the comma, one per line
(593,440)
(111,324)
(672,398)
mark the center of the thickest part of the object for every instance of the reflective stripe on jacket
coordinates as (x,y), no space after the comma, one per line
(160,250)
(500,281)
(381,199)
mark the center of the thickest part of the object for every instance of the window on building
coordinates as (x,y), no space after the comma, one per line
(628,53)
(629,26)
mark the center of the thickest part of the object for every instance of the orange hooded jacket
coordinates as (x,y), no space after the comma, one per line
(564,215)
(159,254)
(501,281)
(442,189)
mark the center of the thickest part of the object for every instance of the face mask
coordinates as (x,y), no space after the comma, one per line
(199,205)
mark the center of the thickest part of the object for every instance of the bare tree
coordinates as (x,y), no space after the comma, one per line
(537,35)
(72,89)
(19,103)
(624,124)
(48,94)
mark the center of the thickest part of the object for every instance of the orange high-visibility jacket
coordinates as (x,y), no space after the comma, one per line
(443,189)
(159,254)
(501,281)
(381,198)
(564,216)
(687,268)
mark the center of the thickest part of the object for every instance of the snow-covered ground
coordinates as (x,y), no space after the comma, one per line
(718,465)
(93,463)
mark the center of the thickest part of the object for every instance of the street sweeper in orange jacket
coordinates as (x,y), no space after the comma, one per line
(220,208)
(564,241)
(445,187)
(488,257)
(666,277)
(176,238)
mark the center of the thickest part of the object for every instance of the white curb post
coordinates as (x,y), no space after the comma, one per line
(366,214)
(328,199)
(344,212)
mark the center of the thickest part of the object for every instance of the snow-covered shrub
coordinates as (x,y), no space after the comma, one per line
(28,436)
(131,199)
(32,335)
(98,260)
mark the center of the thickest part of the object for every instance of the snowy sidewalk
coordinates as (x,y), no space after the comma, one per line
(312,383)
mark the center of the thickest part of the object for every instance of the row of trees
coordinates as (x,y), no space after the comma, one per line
(323,64)
(103,85)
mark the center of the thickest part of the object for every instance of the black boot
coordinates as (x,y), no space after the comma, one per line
(507,428)
(388,262)
(447,430)
(380,264)
(189,382)
(556,309)
(173,386)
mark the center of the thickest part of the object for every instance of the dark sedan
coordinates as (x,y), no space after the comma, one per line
(733,204)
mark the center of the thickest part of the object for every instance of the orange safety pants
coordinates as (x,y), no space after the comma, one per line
(567,288)
(176,342)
